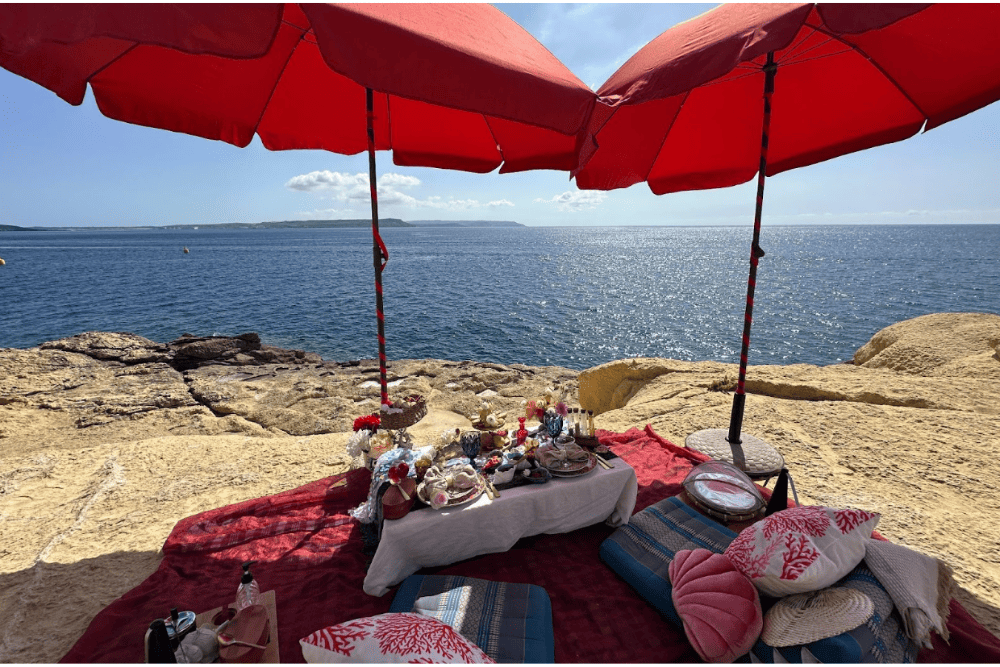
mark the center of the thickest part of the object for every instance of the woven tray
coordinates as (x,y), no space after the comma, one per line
(411,414)
(753,456)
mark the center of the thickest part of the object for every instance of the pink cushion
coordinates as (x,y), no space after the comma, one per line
(391,638)
(802,549)
(718,605)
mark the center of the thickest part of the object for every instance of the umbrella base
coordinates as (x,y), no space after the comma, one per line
(756,458)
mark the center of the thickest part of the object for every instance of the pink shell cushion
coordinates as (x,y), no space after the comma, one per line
(391,638)
(718,605)
(802,549)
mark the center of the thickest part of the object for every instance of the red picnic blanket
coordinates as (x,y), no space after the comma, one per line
(309,550)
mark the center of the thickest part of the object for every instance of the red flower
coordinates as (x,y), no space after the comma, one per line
(370,422)
(398,472)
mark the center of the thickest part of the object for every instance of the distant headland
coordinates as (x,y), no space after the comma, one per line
(283,224)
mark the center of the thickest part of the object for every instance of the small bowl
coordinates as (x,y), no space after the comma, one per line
(504,474)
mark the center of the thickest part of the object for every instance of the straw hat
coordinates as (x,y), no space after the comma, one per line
(808,617)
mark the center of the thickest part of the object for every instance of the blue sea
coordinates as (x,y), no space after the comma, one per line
(574,297)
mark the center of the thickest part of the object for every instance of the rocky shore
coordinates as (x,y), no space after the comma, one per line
(108,439)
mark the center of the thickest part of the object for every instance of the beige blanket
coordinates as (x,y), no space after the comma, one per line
(921,588)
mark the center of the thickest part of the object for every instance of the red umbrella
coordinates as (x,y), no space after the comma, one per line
(693,108)
(441,85)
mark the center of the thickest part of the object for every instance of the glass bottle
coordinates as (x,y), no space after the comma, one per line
(249,591)
(522,433)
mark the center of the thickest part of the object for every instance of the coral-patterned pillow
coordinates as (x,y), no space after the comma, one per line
(802,549)
(389,638)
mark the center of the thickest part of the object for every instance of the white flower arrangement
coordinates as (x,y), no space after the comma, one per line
(359,443)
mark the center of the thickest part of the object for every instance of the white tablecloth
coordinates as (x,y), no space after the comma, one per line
(428,538)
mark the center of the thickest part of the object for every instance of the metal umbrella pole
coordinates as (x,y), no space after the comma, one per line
(756,252)
(752,455)
(380,255)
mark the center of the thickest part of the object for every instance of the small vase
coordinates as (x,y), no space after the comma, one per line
(522,433)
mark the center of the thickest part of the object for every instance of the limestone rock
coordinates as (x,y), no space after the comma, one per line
(127,348)
(940,344)
(612,385)
(106,440)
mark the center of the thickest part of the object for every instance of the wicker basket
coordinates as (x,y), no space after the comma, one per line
(413,411)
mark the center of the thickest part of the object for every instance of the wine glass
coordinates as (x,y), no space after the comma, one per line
(471,445)
(553,423)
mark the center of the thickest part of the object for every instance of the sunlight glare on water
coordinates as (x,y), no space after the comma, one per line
(573,297)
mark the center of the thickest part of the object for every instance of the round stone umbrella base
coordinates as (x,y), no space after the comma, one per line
(756,458)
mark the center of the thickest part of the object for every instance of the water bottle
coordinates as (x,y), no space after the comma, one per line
(249,592)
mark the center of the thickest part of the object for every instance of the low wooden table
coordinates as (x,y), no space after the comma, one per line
(204,620)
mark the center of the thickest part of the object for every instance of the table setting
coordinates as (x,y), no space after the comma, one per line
(479,490)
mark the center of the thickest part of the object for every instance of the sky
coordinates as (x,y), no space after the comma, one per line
(70,166)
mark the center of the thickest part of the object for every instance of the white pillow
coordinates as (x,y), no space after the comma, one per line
(391,638)
(802,549)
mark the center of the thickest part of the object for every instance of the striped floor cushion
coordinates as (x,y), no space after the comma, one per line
(510,622)
(641,551)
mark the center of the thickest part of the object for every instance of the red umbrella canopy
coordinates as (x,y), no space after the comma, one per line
(457,86)
(685,112)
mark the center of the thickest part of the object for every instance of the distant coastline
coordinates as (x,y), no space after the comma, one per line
(283,224)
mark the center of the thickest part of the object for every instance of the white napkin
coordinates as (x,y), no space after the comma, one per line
(549,455)
(433,490)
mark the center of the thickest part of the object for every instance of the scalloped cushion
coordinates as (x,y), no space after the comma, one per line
(717,604)
(391,638)
(802,549)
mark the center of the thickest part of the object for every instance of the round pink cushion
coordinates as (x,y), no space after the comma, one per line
(718,605)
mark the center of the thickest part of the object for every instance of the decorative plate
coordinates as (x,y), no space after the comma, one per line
(579,468)
(458,497)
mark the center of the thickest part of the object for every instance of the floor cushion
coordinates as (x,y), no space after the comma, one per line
(509,622)
(641,552)
(879,639)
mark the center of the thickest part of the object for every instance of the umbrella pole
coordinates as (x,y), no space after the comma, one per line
(380,254)
(739,398)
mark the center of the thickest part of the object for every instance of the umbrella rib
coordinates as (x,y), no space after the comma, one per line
(109,64)
(503,158)
(874,64)
(666,134)
(790,50)
(277,78)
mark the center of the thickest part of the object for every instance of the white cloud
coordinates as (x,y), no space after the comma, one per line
(576,200)
(397,180)
(352,189)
